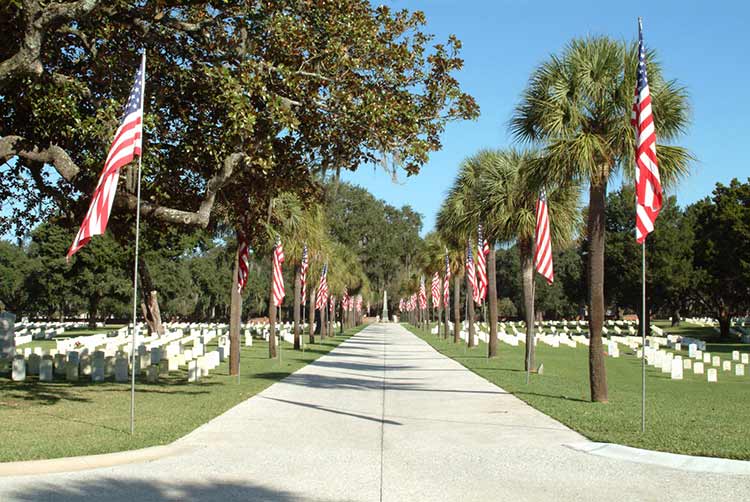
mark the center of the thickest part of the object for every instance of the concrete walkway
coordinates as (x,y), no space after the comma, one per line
(382,417)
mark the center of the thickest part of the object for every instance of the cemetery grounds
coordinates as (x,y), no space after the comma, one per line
(689,416)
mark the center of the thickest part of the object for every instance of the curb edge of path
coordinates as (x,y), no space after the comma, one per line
(677,461)
(87,462)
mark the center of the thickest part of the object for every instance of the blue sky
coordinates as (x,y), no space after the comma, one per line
(704,45)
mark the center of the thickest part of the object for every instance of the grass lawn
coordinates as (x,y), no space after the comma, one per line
(689,416)
(60,419)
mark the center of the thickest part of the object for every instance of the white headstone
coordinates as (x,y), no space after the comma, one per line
(85,364)
(739,369)
(45,369)
(59,364)
(726,365)
(676,373)
(715,361)
(18,373)
(698,355)
(193,371)
(163,367)
(687,364)
(666,365)
(698,368)
(707,357)
(32,363)
(71,371)
(735,355)
(152,374)
(712,375)
(692,348)
(121,369)
(678,346)
(97,367)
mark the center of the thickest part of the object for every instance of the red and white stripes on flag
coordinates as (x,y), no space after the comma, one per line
(243,258)
(436,291)
(543,254)
(304,265)
(447,281)
(125,146)
(470,272)
(648,184)
(422,294)
(481,267)
(322,298)
(278,278)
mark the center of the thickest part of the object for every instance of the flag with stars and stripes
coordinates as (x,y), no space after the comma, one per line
(243,258)
(125,146)
(470,272)
(422,294)
(481,267)
(648,184)
(322,298)
(435,290)
(278,277)
(304,264)
(446,280)
(543,254)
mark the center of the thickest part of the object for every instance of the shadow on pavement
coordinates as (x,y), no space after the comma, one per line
(333,410)
(114,490)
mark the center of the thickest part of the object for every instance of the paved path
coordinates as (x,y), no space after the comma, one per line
(382,417)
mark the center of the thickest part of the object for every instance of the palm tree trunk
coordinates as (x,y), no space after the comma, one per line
(596,230)
(469,313)
(447,313)
(323,321)
(297,308)
(527,278)
(456,309)
(492,300)
(311,316)
(272,322)
(235,319)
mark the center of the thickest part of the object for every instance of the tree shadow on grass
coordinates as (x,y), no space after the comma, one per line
(115,490)
(41,393)
(563,398)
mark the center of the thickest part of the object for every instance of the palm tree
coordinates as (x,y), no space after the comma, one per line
(509,197)
(577,105)
(432,258)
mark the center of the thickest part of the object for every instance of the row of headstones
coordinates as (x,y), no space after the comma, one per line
(675,364)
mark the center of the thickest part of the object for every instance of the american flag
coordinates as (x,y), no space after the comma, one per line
(322,298)
(470,273)
(446,280)
(481,268)
(413,302)
(303,273)
(243,258)
(422,294)
(543,255)
(332,306)
(648,185)
(345,300)
(278,278)
(359,304)
(436,290)
(125,146)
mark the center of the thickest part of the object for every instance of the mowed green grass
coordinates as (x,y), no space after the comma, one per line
(60,419)
(689,416)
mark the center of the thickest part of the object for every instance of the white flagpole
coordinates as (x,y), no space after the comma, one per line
(643,337)
(135,266)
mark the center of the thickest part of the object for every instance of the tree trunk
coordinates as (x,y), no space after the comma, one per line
(235,319)
(469,313)
(297,308)
(150,304)
(527,279)
(676,319)
(311,316)
(596,231)
(447,313)
(725,323)
(272,322)
(492,300)
(323,321)
(456,309)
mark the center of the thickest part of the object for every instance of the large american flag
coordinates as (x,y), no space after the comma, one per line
(322,298)
(446,280)
(543,254)
(435,291)
(422,294)
(125,146)
(470,272)
(481,267)
(648,185)
(243,258)
(278,278)
(303,273)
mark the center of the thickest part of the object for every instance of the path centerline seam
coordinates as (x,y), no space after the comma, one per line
(382,420)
